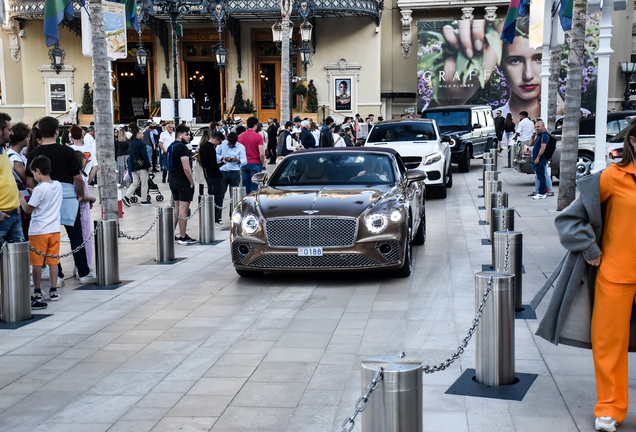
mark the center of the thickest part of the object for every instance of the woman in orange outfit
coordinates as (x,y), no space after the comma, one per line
(615,289)
(595,283)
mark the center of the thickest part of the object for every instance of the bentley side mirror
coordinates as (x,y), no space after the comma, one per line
(260,178)
(415,175)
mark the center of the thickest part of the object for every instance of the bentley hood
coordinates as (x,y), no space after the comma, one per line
(319,200)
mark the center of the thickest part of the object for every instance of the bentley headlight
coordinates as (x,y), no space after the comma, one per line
(376,223)
(396,216)
(250,224)
(431,159)
(236,218)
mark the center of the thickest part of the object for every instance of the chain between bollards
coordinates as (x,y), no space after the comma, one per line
(460,350)
(152,225)
(358,409)
(77,249)
(191,215)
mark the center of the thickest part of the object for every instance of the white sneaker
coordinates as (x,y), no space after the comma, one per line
(75,273)
(539,196)
(60,283)
(88,279)
(606,424)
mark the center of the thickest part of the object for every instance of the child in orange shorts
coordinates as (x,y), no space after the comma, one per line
(44,231)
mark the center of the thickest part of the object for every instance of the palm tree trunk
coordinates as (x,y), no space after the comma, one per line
(553,88)
(570,140)
(103,113)
(285,73)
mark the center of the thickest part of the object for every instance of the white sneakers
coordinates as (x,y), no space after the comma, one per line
(539,196)
(606,424)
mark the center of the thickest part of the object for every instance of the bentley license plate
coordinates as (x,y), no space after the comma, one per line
(309,251)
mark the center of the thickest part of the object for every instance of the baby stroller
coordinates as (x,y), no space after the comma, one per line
(152,188)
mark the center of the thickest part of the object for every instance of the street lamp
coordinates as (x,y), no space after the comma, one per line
(221,54)
(628,69)
(57,55)
(305,31)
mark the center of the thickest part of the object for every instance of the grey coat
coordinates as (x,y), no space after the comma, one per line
(568,317)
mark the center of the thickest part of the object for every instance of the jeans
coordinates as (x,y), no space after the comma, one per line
(509,136)
(229,178)
(548,181)
(247,171)
(164,162)
(541,171)
(11,228)
(74,233)
(149,148)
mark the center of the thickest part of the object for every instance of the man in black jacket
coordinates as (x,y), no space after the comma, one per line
(326,136)
(211,171)
(306,138)
(138,167)
(272,129)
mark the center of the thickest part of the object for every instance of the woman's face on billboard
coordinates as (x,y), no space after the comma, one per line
(522,67)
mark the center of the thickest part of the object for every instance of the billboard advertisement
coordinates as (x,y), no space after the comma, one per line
(465,62)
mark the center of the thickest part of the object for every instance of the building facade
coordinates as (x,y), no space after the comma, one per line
(367,47)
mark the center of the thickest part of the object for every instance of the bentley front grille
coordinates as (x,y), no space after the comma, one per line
(240,251)
(389,250)
(302,262)
(325,232)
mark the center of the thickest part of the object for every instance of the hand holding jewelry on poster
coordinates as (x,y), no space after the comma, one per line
(471,43)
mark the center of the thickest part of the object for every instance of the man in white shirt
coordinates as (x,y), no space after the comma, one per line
(165,139)
(525,129)
(90,152)
(89,138)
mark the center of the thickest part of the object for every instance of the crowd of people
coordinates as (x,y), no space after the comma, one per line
(44,185)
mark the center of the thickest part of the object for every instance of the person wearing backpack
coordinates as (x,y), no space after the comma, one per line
(540,157)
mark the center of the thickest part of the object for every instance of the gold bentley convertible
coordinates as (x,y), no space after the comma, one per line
(345,208)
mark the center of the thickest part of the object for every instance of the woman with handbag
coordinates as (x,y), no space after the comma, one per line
(139,167)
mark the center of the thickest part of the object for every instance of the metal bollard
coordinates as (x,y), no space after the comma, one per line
(508,252)
(15,296)
(238,193)
(107,252)
(396,404)
(206,220)
(491,186)
(494,154)
(497,200)
(502,219)
(512,154)
(165,235)
(495,335)
(489,175)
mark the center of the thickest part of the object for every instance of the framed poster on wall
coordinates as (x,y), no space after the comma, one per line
(343,94)
(58,96)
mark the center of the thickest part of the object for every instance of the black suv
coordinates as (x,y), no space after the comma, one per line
(470,128)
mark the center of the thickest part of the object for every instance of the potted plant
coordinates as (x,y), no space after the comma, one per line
(86,110)
(243,108)
(311,109)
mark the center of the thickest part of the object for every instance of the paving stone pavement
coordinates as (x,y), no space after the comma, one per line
(193,347)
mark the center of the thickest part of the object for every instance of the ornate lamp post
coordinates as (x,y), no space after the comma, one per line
(219,13)
(628,69)
(57,55)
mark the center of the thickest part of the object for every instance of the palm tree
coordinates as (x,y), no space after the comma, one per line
(285,11)
(103,113)
(570,140)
